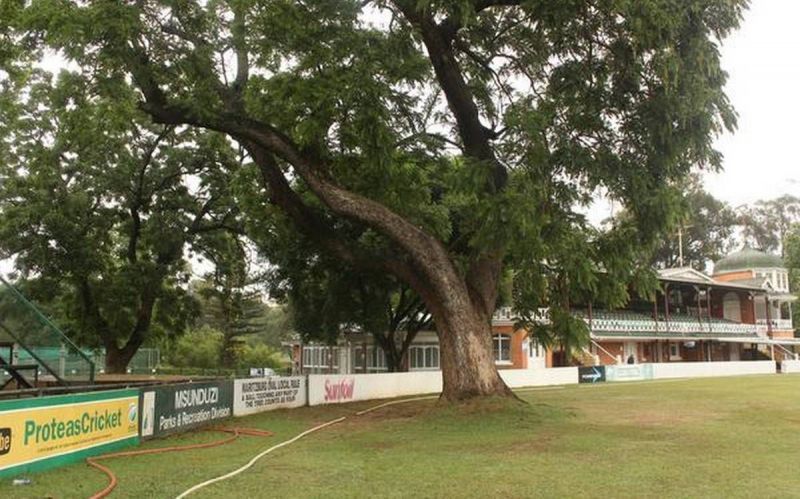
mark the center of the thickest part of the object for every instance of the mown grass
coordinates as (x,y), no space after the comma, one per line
(729,437)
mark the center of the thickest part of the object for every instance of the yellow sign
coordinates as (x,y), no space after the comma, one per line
(71,425)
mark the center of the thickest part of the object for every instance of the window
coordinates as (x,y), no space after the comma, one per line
(377,359)
(320,356)
(501,345)
(674,351)
(424,357)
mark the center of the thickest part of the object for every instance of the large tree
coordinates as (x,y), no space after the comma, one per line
(98,209)
(460,135)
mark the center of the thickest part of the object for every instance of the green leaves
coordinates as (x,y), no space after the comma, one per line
(97,198)
(572,98)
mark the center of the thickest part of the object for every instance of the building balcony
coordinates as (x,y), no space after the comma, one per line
(625,323)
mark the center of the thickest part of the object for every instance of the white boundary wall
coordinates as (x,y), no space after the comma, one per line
(709,369)
(340,388)
(790,366)
(518,378)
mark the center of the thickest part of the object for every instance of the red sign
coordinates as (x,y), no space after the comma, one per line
(339,390)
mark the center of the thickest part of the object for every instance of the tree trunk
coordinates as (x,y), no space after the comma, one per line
(117,359)
(466,357)
(228,352)
(395,359)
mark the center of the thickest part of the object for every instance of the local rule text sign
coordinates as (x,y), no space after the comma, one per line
(265,394)
(43,432)
(173,408)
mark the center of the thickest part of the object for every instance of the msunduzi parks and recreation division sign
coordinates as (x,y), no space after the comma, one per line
(50,431)
(174,408)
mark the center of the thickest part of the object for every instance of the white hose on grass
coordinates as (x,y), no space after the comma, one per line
(256,458)
(312,430)
(393,402)
(295,439)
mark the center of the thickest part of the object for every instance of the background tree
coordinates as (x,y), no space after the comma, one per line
(707,229)
(460,136)
(334,302)
(766,224)
(230,302)
(96,205)
(792,261)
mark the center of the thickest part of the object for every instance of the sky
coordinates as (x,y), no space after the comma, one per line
(763,64)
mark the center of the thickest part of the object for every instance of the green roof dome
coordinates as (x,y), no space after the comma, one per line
(747,258)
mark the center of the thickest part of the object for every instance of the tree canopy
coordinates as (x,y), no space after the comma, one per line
(767,223)
(440,142)
(96,209)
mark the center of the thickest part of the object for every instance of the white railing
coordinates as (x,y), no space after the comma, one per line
(604,324)
(780,324)
(506,314)
(684,327)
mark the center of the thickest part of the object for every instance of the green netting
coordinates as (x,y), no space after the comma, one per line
(38,341)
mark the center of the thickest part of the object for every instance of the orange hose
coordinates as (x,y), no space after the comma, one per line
(112,479)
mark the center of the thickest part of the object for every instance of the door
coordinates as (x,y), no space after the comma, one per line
(630,351)
(537,358)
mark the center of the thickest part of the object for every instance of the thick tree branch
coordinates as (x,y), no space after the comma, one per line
(432,266)
(313,225)
(475,136)
(242,58)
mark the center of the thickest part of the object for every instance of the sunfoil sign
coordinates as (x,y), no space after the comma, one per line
(51,431)
(173,408)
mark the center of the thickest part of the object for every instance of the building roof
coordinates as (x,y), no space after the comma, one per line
(687,275)
(747,258)
(684,274)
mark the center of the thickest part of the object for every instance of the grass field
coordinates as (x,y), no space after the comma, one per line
(727,437)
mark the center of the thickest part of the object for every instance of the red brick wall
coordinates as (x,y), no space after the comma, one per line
(613,347)
(734,276)
(519,359)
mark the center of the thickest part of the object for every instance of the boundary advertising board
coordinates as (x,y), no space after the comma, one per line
(629,372)
(170,409)
(266,394)
(51,431)
(591,374)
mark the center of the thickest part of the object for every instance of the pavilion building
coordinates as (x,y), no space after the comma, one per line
(740,312)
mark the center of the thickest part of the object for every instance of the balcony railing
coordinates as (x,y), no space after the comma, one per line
(632,323)
(779,324)
(506,314)
(680,326)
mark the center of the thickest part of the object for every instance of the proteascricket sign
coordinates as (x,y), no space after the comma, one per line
(265,394)
(173,408)
(51,431)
